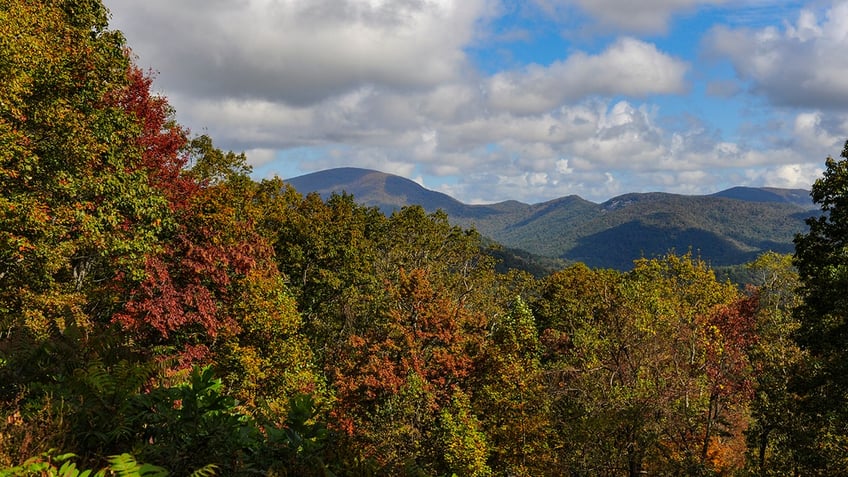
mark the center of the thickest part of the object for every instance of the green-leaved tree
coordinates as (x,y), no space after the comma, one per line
(821,256)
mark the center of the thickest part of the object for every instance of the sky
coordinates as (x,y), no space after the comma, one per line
(493,100)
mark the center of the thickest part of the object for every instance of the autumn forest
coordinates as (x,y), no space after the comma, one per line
(163,313)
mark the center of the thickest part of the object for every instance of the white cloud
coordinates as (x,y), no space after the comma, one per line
(810,133)
(562,167)
(790,176)
(593,148)
(802,64)
(298,51)
(628,67)
(259,157)
(304,85)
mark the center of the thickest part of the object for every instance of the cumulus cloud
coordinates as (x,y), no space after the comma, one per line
(594,147)
(789,176)
(802,64)
(628,67)
(259,157)
(304,85)
(299,51)
(812,131)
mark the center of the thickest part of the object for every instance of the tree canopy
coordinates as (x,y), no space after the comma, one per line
(821,381)
(161,310)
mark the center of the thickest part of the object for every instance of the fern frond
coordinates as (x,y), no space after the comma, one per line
(205,471)
(95,376)
(69,469)
(125,465)
(45,464)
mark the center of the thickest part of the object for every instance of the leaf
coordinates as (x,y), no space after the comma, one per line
(126,466)
(205,471)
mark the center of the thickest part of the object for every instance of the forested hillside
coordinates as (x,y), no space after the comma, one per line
(162,313)
(727,228)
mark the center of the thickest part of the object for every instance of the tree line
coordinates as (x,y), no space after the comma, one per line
(164,313)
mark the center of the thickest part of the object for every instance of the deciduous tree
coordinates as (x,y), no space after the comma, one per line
(822,379)
(775,358)
(78,207)
(511,396)
(638,367)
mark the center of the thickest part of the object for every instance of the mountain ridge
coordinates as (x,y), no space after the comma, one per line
(728,227)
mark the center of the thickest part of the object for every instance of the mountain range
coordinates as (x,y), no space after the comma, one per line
(727,228)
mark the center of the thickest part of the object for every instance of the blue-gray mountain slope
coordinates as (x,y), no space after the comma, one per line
(726,228)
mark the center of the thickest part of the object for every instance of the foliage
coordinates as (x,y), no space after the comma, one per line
(123,465)
(639,372)
(512,398)
(327,252)
(775,356)
(98,403)
(193,424)
(465,444)
(299,448)
(269,360)
(397,377)
(821,379)
(159,304)
(77,208)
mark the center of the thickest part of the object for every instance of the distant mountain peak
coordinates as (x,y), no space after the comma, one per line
(729,227)
(768,194)
(388,192)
